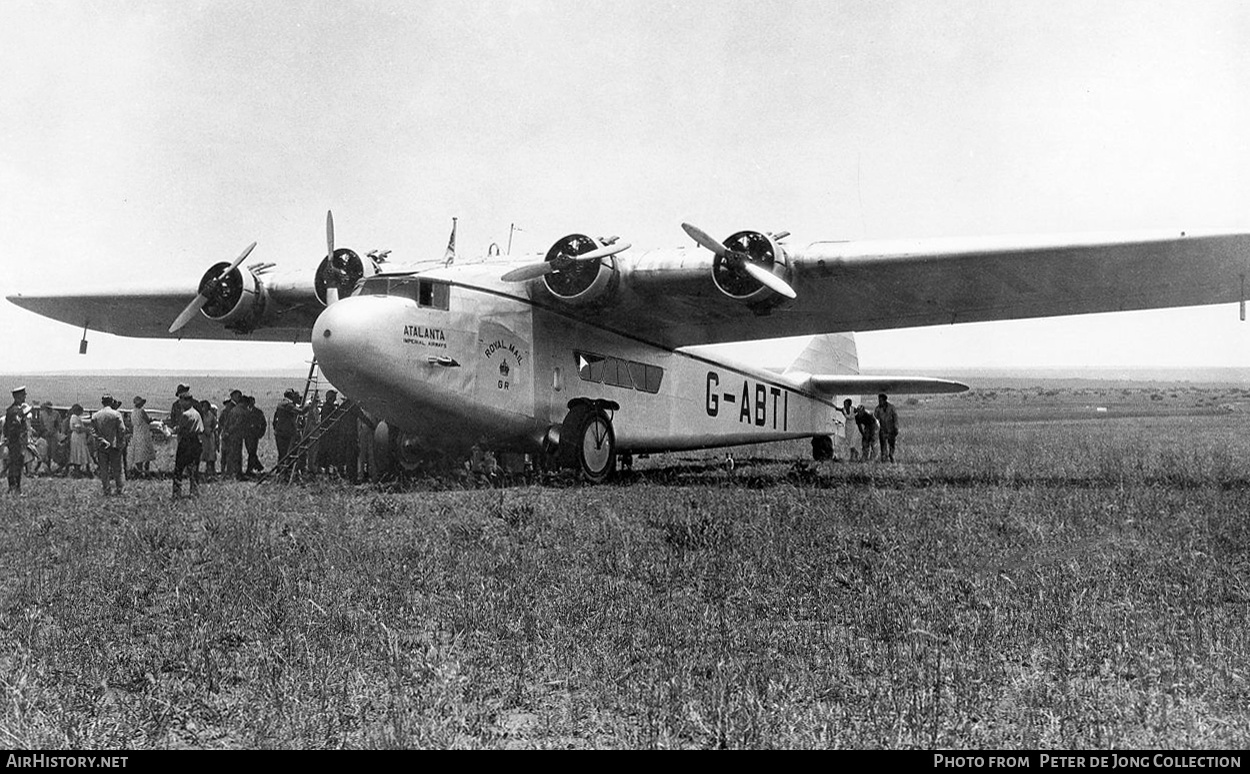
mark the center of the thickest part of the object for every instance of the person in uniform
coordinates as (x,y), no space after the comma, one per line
(887,419)
(17,428)
(190,446)
(141,450)
(110,434)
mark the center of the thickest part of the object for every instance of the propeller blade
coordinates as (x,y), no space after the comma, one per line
(766,277)
(242,257)
(201,298)
(330,235)
(602,252)
(704,239)
(192,309)
(527,273)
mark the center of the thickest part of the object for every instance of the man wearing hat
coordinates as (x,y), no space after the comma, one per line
(16,432)
(176,408)
(187,457)
(110,435)
(286,421)
(253,431)
(233,423)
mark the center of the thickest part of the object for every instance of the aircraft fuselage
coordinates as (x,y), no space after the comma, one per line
(455,361)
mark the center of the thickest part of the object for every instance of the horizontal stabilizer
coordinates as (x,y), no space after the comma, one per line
(868,384)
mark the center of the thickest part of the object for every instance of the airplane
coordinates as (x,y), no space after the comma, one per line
(596,351)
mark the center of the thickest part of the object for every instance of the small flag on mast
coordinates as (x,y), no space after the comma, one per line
(449,257)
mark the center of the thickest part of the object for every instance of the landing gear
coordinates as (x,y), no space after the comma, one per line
(396,454)
(822,447)
(587,443)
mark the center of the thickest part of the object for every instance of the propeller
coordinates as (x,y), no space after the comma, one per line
(332,288)
(207,289)
(564,261)
(740,261)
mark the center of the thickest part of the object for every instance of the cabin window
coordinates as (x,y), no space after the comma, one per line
(618,372)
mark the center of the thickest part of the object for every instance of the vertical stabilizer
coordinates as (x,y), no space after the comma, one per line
(828,353)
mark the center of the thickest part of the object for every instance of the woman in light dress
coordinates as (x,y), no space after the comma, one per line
(79,456)
(208,441)
(140,451)
(851,439)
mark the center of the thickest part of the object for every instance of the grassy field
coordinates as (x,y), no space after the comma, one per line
(1032,573)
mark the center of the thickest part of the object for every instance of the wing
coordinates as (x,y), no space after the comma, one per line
(865,384)
(147,312)
(684,297)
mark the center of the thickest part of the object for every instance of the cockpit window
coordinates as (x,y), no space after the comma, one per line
(427,293)
(435,295)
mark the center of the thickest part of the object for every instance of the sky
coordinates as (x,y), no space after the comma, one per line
(157,138)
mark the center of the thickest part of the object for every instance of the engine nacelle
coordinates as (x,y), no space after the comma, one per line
(580,282)
(345,272)
(765,251)
(239,301)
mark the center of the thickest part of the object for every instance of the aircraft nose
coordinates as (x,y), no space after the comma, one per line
(342,337)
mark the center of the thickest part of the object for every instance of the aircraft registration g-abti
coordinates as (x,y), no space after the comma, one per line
(596,349)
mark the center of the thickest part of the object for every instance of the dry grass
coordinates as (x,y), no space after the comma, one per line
(1013,583)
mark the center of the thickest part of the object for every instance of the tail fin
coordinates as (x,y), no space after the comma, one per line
(828,353)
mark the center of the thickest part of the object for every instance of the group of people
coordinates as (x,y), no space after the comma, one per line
(345,449)
(877,431)
(60,442)
(120,444)
(204,433)
(237,429)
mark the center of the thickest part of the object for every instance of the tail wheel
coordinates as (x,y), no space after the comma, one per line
(822,447)
(589,444)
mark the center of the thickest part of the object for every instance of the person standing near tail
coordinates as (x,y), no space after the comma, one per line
(850,439)
(887,418)
(867,433)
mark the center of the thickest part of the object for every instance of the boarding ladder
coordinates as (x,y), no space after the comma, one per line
(313,431)
(311,427)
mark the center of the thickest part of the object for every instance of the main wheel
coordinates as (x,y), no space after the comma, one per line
(588,444)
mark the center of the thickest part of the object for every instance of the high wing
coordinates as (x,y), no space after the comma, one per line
(229,300)
(147,311)
(692,296)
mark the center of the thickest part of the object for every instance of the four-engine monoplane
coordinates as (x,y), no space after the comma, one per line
(594,348)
